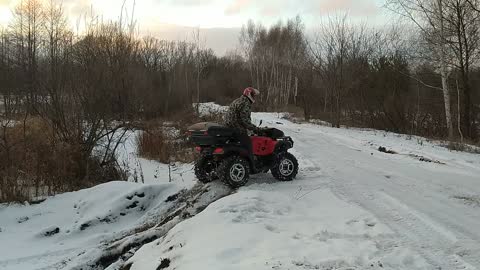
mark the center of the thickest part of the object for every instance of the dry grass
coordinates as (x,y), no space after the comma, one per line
(154,144)
(35,164)
(463,147)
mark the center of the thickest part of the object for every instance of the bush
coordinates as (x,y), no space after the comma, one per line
(34,164)
(152,145)
(463,147)
(156,141)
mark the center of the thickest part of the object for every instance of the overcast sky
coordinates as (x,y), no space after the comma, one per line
(219,19)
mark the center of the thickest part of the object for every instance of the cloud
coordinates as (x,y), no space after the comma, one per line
(354,7)
(238,6)
(78,7)
(285,8)
(221,40)
(191,2)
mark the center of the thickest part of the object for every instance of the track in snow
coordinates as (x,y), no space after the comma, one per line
(415,199)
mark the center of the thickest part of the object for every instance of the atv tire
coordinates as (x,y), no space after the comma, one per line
(285,168)
(205,170)
(234,171)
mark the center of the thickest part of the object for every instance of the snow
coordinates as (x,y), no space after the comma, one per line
(64,226)
(351,207)
(206,109)
(90,217)
(261,228)
(150,171)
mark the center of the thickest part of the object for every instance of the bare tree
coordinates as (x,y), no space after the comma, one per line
(428,16)
(462,22)
(27,28)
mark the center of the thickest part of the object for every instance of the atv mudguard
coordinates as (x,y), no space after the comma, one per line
(283,145)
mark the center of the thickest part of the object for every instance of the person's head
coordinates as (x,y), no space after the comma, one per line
(251,93)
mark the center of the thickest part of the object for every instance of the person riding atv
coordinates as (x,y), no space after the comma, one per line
(228,153)
(238,117)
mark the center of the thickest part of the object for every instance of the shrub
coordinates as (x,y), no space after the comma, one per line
(157,143)
(34,163)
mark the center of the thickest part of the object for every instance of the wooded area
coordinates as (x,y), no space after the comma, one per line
(81,91)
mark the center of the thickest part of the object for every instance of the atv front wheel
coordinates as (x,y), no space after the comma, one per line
(234,171)
(285,168)
(205,170)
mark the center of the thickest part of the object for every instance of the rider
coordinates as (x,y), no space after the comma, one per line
(238,117)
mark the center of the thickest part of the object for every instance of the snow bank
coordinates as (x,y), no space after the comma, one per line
(64,226)
(265,228)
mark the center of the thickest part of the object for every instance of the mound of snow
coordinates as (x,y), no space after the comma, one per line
(64,226)
(262,228)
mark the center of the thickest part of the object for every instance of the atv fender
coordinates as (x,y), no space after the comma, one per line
(238,150)
(283,146)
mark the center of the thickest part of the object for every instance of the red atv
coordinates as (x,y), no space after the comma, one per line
(221,155)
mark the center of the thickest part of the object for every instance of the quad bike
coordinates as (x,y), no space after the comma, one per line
(222,156)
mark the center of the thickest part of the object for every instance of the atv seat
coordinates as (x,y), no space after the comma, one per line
(207,134)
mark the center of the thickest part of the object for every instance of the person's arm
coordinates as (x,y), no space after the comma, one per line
(246,121)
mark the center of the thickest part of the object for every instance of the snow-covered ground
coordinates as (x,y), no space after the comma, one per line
(48,235)
(352,207)
(150,171)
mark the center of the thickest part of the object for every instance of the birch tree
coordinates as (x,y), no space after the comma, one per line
(428,16)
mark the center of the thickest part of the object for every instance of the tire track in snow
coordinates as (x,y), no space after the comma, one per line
(433,242)
(113,255)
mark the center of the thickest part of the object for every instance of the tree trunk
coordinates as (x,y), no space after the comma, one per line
(446,93)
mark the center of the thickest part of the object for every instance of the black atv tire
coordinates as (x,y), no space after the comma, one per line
(205,170)
(234,167)
(285,174)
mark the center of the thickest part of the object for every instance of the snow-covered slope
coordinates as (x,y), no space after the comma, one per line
(64,226)
(352,207)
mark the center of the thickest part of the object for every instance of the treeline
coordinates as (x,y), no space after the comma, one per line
(81,92)
(392,78)
(348,74)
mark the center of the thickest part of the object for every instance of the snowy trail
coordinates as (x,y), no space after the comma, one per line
(413,198)
(352,207)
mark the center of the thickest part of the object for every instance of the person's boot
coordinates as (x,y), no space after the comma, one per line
(257,166)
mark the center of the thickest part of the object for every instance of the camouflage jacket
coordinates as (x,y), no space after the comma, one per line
(239,115)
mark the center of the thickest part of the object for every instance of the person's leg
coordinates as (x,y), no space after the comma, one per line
(247,142)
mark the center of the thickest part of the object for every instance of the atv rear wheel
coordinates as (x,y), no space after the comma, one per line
(234,171)
(285,168)
(205,170)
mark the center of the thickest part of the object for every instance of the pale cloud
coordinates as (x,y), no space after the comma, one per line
(354,7)
(192,2)
(220,40)
(239,6)
(276,9)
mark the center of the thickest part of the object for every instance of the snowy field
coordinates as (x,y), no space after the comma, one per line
(352,207)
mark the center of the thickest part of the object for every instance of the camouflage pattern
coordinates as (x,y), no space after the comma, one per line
(239,115)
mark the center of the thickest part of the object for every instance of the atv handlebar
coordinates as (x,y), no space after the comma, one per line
(262,131)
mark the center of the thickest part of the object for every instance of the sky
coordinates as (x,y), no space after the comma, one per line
(220,20)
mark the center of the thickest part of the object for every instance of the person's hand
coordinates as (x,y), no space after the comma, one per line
(261,130)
